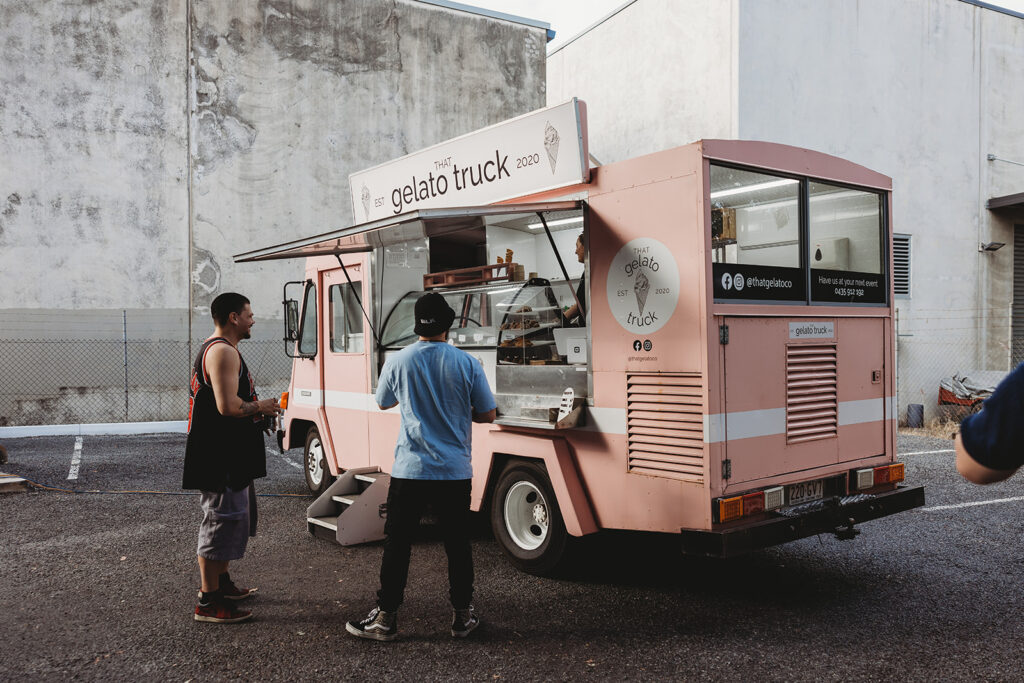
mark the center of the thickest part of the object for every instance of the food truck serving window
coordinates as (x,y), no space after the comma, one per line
(795,240)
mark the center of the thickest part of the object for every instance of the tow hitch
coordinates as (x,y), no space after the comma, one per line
(847,533)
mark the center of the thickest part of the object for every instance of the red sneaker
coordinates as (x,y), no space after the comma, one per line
(229,590)
(217,612)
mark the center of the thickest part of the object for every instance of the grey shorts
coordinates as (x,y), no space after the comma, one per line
(229,519)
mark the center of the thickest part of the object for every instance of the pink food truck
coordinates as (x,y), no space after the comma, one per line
(730,378)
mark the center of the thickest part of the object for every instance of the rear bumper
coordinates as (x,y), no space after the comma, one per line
(825,517)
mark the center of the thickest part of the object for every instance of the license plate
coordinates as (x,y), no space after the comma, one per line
(806,491)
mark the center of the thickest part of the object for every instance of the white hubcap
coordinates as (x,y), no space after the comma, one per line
(526,515)
(315,462)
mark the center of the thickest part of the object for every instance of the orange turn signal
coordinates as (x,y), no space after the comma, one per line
(730,509)
(896,472)
(284,400)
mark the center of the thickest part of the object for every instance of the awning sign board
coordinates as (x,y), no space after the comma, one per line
(540,151)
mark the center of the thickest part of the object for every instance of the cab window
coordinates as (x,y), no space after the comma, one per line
(307,334)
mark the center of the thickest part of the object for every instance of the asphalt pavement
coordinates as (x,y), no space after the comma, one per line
(101,586)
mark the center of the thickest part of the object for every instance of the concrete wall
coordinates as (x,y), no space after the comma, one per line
(144,144)
(292,97)
(1002,101)
(920,90)
(895,87)
(93,182)
(658,74)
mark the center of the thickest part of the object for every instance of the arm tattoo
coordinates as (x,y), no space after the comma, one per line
(249,408)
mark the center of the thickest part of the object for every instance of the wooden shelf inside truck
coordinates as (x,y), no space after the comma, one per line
(476,275)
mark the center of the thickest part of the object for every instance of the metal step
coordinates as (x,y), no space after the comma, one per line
(326,522)
(351,510)
(10,483)
(347,499)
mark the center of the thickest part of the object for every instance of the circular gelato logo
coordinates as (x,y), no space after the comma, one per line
(643,285)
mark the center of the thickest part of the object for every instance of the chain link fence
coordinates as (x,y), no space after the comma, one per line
(72,381)
(48,381)
(948,344)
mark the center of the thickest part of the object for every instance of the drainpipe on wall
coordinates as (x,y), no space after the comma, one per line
(189,108)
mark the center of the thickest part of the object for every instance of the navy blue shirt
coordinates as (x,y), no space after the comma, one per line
(995,436)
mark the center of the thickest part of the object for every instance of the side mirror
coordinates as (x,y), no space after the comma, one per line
(291,320)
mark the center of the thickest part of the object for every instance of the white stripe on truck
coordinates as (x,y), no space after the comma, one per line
(718,427)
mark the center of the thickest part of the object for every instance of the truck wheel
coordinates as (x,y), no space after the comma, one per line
(318,476)
(526,520)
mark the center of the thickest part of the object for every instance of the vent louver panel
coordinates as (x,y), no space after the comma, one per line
(665,425)
(901,265)
(811,397)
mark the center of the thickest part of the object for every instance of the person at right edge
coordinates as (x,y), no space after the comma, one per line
(224,453)
(988,447)
(575,315)
(440,391)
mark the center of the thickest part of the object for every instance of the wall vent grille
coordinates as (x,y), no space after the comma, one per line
(665,425)
(901,265)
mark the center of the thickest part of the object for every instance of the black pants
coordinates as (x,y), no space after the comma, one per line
(407,500)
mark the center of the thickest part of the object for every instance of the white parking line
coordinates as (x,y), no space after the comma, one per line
(285,458)
(76,459)
(973,504)
(944,450)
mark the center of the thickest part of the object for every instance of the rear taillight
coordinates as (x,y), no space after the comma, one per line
(870,477)
(753,503)
(774,497)
(733,508)
(889,474)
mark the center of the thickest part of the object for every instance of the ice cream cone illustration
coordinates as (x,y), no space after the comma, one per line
(551,144)
(641,286)
(365,194)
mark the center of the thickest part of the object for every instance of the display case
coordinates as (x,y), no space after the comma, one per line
(528,320)
(510,328)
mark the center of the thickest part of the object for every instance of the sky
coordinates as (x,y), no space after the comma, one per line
(569,17)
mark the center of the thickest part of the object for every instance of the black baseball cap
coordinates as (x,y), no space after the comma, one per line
(433,315)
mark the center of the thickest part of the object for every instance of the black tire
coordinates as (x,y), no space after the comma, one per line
(314,461)
(526,520)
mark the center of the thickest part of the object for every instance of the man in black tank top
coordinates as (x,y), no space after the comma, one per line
(224,453)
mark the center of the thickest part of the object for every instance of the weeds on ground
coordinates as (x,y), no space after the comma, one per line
(939,428)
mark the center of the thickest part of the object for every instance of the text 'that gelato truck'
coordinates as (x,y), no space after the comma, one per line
(730,380)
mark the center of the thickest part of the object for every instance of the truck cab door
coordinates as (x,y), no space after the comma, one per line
(346,366)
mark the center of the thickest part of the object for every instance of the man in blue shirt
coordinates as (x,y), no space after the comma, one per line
(440,391)
(989,445)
